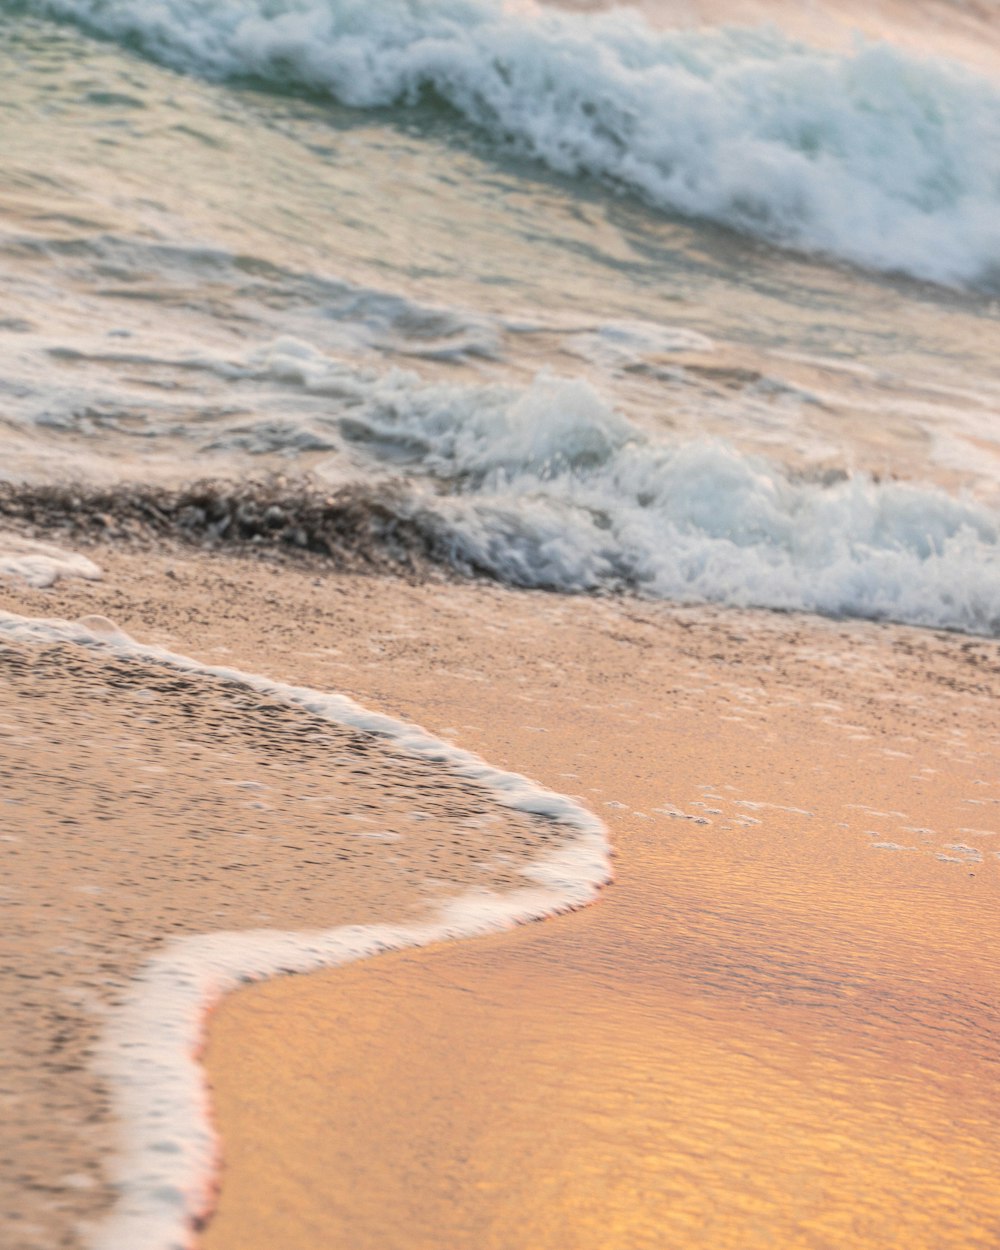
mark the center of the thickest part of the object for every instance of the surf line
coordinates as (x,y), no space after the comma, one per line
(165,1166)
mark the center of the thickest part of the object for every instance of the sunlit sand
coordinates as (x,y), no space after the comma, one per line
(777,1027)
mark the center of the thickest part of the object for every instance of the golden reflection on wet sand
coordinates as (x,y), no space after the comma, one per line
(775,1030)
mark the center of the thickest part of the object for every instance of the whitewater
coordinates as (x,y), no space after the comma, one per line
(877,157)
(549,487)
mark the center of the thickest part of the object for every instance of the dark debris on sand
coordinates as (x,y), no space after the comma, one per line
(355,528)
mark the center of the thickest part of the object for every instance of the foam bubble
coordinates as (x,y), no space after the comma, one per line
(41,564)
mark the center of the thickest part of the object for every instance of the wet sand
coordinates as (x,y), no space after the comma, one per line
(778,1027)
(140,804)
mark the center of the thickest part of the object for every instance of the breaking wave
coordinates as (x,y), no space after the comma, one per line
(549,487)
(878,157)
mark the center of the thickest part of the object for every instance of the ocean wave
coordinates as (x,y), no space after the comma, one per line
(547,486)
(878,157)
(550,487)
(366,316)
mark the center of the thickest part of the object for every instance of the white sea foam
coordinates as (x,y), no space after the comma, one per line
(549,487)
(41,564)
(881,158)
(149,1054)
(623,344)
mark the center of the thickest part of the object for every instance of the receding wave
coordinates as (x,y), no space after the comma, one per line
(878,157)
(549,487)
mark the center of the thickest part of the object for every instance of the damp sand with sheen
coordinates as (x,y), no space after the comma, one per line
(782,392)
(778,1027)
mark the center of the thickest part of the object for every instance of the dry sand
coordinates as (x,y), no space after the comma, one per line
(779,1027)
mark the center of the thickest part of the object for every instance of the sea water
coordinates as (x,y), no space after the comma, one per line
(693,302)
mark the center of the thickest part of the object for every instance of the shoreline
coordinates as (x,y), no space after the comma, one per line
(144,1061)
(435,653)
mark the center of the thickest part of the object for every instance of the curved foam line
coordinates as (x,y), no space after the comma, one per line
(164,1171)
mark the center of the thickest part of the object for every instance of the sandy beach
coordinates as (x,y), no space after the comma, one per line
(777,1027)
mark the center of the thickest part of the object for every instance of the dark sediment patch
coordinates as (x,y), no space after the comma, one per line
(358,529)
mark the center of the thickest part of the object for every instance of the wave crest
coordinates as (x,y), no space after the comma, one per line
(879,158)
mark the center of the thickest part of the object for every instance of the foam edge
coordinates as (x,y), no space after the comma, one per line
(165,1168)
